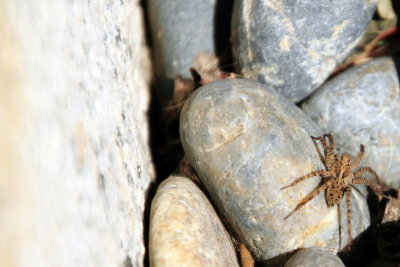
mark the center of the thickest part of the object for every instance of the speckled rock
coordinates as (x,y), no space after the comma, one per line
(362,106)
(314,257)
(246,141)
(181,31)
(185,230)
(294,45)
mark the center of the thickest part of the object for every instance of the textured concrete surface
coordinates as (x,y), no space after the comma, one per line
(362,106)
(74,156)
(294,45)
(185,229)
(246,141)
(314,257)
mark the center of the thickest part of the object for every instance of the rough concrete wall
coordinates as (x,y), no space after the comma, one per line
(74,137)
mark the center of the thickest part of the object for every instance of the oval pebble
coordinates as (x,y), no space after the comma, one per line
(245,142)
(314,257)
(294,45)
(362,106)
(185,230)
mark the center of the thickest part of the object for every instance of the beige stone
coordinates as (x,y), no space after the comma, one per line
(185,230)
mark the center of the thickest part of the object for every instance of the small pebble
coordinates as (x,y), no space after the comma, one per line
(362,106)
(294,45)
(314,256)
(185,230)
(245,142)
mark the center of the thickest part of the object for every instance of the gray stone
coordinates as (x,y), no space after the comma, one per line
(314,257)
(362,106)
(185,230)
(294,45)
(75,162)
(246,141)
(181,31)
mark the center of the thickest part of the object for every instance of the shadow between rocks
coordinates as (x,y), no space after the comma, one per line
(222,34)
(363,250)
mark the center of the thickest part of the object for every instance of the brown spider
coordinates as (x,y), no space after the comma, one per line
(337,178)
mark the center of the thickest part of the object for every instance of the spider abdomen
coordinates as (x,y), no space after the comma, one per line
(333,195)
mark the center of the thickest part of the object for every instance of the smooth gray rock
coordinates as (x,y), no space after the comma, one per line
(246,141)
(294,45)
(185,230)
(181,31)
(314,257)
(362,106)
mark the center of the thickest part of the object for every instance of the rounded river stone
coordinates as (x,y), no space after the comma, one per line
(310,257)
(245,142)
(294,45)
(362,106)
(181,31)
(185,230)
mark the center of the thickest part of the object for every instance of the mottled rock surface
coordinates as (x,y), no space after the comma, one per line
(185,230)
(362,106)
(181,31)
(294,45)
(75,162)
(314,257)
(246,141)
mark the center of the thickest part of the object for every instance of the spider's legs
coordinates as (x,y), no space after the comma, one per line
(367,169)
(374,187)
(328,150)
(330,155)
(331,143)
(358,158)
(323,142)
(321,139)
(320,155)
(348,198)
(310,196)
(307,176)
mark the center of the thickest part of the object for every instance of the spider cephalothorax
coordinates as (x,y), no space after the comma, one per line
(337,178)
